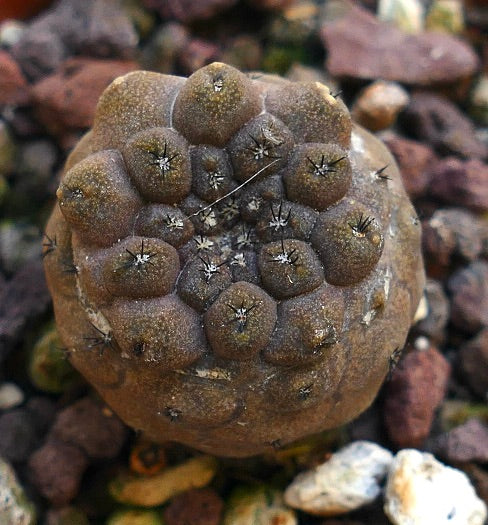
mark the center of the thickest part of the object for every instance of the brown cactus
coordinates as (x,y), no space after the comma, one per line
(243,265)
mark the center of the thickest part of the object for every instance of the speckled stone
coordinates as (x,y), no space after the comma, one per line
(15,508)
(349,480)
(421,490)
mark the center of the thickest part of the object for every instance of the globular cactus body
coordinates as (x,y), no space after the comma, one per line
(230,264)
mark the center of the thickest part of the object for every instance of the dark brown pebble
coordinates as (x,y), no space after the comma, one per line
(416,389)
(22,300)
(198,507)
(414,159)
(437,121)
(434,325)
(70,27)
(451,235)
(474,363)
(469,297)
(18,436)
(461,183)
(92,427)
(465,443)
(56,470)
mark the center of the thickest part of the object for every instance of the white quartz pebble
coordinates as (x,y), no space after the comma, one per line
(10,396)
(348,480)
(422,491)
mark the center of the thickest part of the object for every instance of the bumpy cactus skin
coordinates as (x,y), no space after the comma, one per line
(231,323)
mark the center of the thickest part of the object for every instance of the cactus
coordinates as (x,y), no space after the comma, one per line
(232,261)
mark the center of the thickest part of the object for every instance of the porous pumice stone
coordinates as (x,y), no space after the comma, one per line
(232,261)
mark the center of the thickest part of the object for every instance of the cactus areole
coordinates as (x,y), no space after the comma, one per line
(232,261)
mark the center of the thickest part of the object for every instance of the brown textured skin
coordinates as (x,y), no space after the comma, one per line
(289,297)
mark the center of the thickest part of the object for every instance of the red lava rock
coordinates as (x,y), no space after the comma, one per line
(433,326)
(449,235)
(465,443)
(436,120)
(416,388)
(474,363)
(462,183)
(361,46)
(469,302)
(56,470)
(24,9)
(196,54)
(413,160)
(22,299)
(197,506)
(188,10)
(13,85)
(91,427)
(66,100)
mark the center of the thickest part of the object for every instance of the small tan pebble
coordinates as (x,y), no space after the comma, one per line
(422,310)
(479,100)
(349,480)
(156,490)
(378,105)
(422,491)
(135,517)
(259,506)
(454,412)
(446,16)
(407,15)
(49,370)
